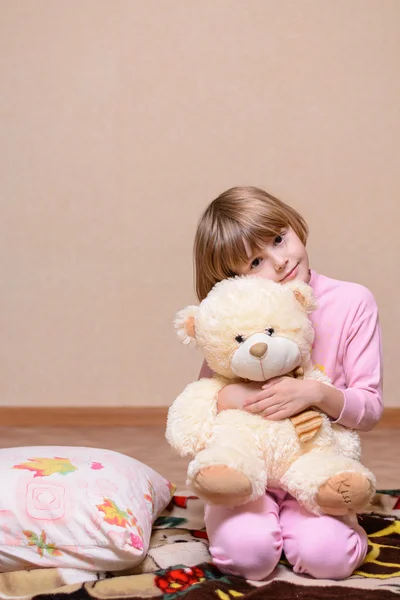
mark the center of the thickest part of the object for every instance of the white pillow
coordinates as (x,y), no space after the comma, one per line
(76,507)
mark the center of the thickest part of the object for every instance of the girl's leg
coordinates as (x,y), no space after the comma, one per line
(324,547)
(245,540)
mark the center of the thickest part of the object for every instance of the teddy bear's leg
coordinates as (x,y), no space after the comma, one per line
(344,493)
(325,482)
(220,484)
(231,470)
(225,475)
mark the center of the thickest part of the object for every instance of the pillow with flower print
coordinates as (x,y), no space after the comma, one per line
(76,507)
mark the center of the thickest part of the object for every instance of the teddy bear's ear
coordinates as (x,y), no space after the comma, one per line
(303,294)
(184,324)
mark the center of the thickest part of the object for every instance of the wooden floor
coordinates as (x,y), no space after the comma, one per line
(381,447)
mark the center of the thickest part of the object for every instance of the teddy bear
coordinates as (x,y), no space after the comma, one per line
(253,329)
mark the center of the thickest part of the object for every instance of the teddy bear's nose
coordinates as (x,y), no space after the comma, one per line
(259,350)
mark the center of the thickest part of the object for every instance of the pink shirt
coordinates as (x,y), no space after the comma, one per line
(348,347)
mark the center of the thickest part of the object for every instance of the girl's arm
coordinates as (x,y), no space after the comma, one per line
(362,362)
(233,395)
(359,405)
(205,371)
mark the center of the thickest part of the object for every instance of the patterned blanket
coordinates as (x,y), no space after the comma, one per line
(178,566)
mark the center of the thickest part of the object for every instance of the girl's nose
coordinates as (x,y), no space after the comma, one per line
(280,263)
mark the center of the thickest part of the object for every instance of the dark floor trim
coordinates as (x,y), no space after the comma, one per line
(66,416)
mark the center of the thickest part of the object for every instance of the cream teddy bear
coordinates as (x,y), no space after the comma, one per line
(252,329)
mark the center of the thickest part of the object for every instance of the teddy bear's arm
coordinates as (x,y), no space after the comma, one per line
(307,424)
(192,415)
(309,421)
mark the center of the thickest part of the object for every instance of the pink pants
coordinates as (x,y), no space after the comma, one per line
(248,540)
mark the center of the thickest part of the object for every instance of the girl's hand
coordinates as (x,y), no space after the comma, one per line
(234,395)
(283,397)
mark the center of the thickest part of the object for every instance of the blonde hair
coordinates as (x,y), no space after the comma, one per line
(239,217)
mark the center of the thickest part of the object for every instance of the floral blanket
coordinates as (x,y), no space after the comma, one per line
(178,566)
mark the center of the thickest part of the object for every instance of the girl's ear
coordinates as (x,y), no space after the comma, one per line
(303,294)
(184,324)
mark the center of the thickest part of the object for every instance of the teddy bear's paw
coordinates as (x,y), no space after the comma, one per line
(220,484)
(307,424)
(345,493)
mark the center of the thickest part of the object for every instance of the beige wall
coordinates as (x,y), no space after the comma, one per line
(122,119)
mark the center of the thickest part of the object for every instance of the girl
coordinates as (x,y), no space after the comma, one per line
(246,230)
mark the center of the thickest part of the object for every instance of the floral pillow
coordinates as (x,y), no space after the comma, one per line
(76,507)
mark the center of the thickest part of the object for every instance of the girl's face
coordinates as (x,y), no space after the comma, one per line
(282,259)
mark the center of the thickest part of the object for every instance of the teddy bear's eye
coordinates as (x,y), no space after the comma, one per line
(239,339)
(269,331)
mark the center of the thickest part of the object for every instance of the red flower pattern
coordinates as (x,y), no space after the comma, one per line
(178,580)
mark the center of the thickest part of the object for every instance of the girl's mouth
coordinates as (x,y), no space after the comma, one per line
(291,275)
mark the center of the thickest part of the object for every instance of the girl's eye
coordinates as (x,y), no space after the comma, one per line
(239,339)
(269,331)
(278,240)
(256,263)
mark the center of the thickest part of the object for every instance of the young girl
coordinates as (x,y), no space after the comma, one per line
(246,230)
